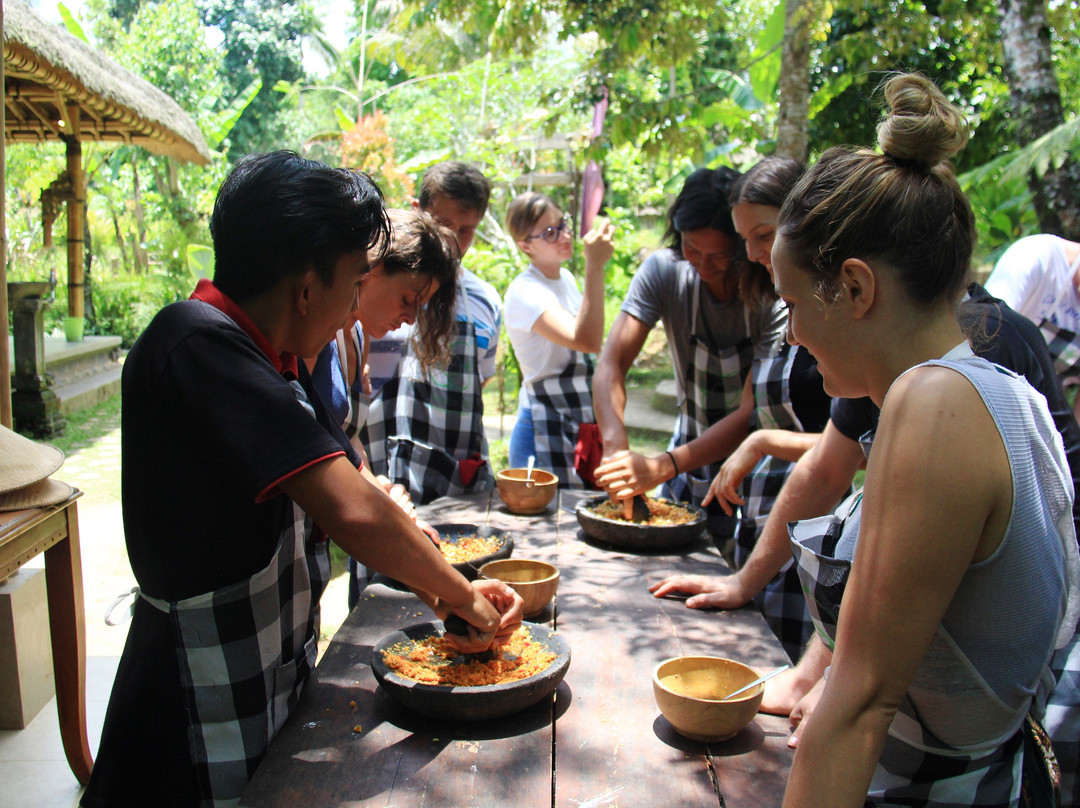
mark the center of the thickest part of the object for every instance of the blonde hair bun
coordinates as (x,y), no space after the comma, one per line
(922,126)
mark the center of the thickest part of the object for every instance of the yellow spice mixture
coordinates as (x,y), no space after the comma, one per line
(663,512)
(434,661)
(467,548)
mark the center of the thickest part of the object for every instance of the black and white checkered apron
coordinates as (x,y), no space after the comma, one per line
(915,768)
(1062,719)
(559,405)
(781,601)
(245,652)
(710,389)
(419,428)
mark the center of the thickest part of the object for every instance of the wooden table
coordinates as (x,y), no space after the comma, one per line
(55,531)
(600,742)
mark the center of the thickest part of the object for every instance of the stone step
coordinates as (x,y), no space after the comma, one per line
(84,373)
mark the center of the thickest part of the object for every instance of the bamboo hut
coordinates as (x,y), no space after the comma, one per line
(56,87)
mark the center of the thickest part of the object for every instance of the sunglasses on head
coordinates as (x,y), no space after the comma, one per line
(553,233)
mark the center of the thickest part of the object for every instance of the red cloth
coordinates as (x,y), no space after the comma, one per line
(469,467)
(588,452)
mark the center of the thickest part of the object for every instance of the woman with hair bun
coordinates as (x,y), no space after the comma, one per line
(957,562)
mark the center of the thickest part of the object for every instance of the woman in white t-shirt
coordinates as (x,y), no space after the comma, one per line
(1038,276)
(553,327)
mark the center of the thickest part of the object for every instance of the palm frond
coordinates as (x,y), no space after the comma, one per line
(1046,153)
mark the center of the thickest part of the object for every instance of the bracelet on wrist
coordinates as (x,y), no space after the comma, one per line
(674,465)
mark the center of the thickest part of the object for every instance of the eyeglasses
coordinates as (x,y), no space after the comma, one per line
(553,234)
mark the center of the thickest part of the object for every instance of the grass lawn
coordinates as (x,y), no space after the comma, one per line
(86,426)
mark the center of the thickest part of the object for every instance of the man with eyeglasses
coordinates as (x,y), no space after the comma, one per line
(699,287)
(425,431)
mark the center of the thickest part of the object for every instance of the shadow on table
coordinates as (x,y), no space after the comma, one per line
(748,739)
(702,542)
(531,719)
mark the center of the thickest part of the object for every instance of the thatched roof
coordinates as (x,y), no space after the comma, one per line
(49,74)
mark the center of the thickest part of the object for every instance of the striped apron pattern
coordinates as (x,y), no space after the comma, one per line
(781,601)
(560,404)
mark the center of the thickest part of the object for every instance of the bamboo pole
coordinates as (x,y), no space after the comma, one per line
(5,357)
(76,213)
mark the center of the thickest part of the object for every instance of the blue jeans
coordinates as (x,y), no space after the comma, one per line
(522,439)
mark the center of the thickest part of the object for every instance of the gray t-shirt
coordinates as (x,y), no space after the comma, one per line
(663,289)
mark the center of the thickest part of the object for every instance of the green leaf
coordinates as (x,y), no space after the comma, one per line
(200,261)
(736,88)
(1038,156)
(218,125)
(71,23)
(828,91)
(344,122)
(765,65)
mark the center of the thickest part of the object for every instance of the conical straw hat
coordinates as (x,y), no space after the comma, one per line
(36,495)
(23,461)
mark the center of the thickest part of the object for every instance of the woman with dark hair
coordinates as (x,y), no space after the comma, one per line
(945,585)
(715,306)
(790,409)
(414,282)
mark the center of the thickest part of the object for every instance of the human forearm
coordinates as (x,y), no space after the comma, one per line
(783,443)
(589,327)
(374,530)
(609,406)
(719,440)
(838,748)
(818,482)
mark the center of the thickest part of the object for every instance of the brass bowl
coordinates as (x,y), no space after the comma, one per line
(689,691)
(535,581)
(526,496)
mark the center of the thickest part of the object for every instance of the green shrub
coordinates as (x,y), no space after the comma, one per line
(123,307)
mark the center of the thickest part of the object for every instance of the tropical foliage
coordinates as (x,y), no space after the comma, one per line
(511,85)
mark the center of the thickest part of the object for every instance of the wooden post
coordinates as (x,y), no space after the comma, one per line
(76,212)
(5,357)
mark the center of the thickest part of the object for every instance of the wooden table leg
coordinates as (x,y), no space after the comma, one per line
(63,577)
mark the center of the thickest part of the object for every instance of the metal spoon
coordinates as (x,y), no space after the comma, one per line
(528,472)
(758,681)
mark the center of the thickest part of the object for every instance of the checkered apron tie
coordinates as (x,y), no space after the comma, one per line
(915,768)
(560,404)
(711,388)
(419,427)
(781,601)
(245,653)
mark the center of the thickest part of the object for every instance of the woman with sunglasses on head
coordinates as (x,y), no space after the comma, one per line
(553,328)
(946,583)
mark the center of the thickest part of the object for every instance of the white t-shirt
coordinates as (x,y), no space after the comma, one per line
(529,295)
(1034,277)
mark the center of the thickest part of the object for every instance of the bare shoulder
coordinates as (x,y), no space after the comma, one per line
(924,395)
(938,441)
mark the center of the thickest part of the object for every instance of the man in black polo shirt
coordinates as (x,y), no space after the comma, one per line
(233,474)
